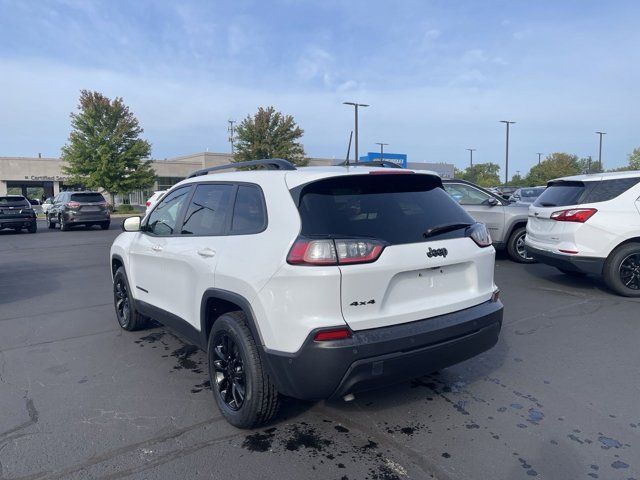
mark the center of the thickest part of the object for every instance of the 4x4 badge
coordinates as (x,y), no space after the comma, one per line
(359,304)
(437,252)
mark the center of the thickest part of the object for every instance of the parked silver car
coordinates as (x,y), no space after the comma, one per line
(506,222)
(526,196)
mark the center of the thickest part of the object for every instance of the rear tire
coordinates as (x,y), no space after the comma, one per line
(622,270)
(104,225)
(126,314)
(241,386)
(516,248)
(33,228)
(63,225)
(51,223)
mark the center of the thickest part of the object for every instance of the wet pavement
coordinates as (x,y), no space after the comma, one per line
(557,398)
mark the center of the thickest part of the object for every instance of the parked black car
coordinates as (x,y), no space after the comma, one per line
(16,213)
(78,208)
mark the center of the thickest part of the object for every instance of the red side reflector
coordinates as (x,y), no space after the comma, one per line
(336,334)
(391,171)
(573,252)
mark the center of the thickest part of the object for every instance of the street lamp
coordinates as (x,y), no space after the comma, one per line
(506,157)
(471,150)
(600,149)
(381,149)
(539,155)
(355,106)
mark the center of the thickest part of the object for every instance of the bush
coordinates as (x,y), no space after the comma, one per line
(125,209)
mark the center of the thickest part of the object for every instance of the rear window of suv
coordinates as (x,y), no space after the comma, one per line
(14,202)
(87,197)
(565,193)
(395,208)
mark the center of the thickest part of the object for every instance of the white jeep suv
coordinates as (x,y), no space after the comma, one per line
(590,224)
(313,283)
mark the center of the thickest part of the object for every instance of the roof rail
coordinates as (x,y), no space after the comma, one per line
(268,163)
(373,163)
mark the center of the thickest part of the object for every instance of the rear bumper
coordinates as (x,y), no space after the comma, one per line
(382,356)
(570,262)
(97,217)
(22,222)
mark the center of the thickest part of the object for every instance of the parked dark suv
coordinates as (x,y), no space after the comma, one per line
(16,212)
(78,208)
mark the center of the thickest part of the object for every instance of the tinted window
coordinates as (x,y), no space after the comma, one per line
(14,201)
(163,219)
(394,208)
(560,194)
(208,210)
(608,189)
(90,197)
(248,213)
(466,194)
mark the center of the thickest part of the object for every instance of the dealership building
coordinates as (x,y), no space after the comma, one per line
(37,177)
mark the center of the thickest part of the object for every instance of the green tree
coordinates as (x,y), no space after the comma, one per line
(483,174)
(269,134)
(104,150)
(554,166)
(518,181)
(588,165)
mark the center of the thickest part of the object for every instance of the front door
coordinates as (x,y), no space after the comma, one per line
(476,203)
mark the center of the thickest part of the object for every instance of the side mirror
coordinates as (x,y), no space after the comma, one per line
(131,224)
(492,202)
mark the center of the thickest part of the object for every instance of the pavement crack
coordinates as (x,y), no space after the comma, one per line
(33,419)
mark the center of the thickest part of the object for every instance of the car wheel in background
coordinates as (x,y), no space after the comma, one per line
(104,225)
(241,386)
(516,248)
(127,315)
(63,225)
(622,270)
(51,223)
(33,228)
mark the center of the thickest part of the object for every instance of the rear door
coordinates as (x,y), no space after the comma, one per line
(416,276)
(476,203)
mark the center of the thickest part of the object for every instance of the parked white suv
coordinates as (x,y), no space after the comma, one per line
(590,224)
(313,283)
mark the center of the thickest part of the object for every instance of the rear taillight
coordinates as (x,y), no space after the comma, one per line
(346,251)
(73,205)
(333,334)
(148,203)
(579,215)
(478,233)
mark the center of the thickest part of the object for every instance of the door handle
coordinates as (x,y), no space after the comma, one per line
(206,252)
(157,248)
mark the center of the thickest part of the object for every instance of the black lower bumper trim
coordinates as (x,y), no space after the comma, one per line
(572,263)
(382,356)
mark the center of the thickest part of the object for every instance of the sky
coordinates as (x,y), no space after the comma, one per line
(439,75)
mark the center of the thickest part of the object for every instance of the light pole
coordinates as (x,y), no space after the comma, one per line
(600,149)
(471,150)
(355,106)
(539,156)
(381,149)
(232,130)
(506,156)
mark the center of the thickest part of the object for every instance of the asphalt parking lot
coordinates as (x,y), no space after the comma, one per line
(557,398)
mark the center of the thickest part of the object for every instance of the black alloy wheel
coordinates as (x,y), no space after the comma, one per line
(230,381)
(121,300)
(630,271)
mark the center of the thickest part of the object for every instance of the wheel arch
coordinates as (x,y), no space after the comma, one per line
(116,262)
(515,225)
(627,241)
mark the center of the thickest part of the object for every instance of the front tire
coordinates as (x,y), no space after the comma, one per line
(622,270)
(241,386)
(33,228)
(516,248)
(126,314)
(51,223)
(64,226)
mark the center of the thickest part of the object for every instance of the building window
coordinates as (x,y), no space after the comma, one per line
(165,183)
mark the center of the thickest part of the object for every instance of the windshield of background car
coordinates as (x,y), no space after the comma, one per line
(531,192)
(395,208)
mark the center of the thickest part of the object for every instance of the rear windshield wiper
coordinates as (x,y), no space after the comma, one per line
(447,227)
(548,204)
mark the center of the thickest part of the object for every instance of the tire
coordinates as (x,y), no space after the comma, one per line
(63,225)
(33,228)
(51,224)
(104,225)
(232,346)
(571,273)
(622,270)
(515,246)
(126,314)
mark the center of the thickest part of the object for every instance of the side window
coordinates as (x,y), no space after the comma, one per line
(208,210)
(163,218)
(609,189)
(249,215)
(466,194)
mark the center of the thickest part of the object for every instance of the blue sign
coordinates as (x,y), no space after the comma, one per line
(399,158)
